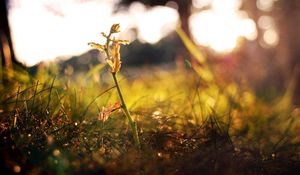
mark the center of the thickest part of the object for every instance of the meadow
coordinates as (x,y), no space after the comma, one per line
(187,119)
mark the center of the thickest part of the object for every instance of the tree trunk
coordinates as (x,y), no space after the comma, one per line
(289,45)
(7,56)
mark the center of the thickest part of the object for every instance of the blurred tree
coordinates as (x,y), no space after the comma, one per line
(282,61)
(183,9)
(8,58)
(287,15)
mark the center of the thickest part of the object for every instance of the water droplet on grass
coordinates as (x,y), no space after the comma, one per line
(50,139)
(56,153)
(17,169)
(273,155)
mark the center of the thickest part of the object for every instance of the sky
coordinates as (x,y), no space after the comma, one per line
(43,30)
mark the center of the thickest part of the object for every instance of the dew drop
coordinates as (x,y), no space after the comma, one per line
(273,155)
(50,139)
(56,153)
(17,169)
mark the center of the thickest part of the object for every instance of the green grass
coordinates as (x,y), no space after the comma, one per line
(189,121)
(186,125)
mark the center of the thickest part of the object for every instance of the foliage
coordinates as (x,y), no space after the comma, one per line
(54,124)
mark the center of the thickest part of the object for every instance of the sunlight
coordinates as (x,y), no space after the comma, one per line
(150,25)
(270,37)
(266,22)
(221,26)
(265,5)
(201,3)
(270,34)
(43,30)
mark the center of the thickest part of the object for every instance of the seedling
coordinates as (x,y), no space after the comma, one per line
(112,51)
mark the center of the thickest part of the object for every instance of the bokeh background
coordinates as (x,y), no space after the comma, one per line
(254,41)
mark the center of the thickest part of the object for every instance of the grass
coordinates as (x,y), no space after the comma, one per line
(188,122)
(186,126)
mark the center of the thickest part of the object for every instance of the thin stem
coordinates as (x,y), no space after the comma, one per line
(126,111)
(124,107)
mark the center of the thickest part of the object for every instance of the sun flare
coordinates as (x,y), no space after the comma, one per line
(221,26)
(58,28)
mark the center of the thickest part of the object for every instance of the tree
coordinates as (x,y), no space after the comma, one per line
(7,57)
(287,14)
(284,58)
(183,9)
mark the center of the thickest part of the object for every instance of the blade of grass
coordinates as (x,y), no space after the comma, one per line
(99,95)
(15,116)
(49,95)
(190,45)
(62,107)
(34,94)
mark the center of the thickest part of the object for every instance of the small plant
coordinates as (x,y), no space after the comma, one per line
(112,51)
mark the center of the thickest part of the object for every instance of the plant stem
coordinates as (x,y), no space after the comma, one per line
(126,112)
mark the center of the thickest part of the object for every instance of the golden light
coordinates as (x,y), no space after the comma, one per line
(155,23)
(265,5)
(270,37)
(266,22)
(226,6)
(46,29)
(221,26)
(201,3)
(17,169)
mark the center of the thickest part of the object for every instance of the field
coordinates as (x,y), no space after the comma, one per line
(188,122)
